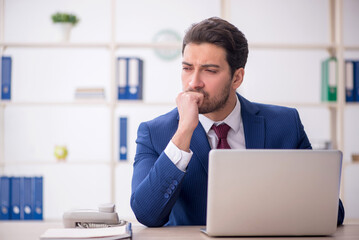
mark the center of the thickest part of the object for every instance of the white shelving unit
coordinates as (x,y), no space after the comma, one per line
(336,47)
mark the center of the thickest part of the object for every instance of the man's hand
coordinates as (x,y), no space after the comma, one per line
(187,104)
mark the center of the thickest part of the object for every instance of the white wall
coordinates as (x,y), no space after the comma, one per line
(52,75)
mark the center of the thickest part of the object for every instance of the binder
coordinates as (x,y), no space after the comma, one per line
(15,196)
(135,75)
(6,78)
(356,80)
(4,198)
(349,81)
(329,79)
(38,198)
(123,138)
(26,200)
(129,78)
(122,78)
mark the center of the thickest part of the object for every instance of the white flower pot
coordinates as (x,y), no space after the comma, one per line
(63,31)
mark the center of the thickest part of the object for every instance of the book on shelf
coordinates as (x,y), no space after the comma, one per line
(352,80)
(37,198)
(349,81)
(21,198)
(109,233)
(5,69)
(329,80)
(4,198)
(123,138)
(89,93)
(15,198)
(129,75)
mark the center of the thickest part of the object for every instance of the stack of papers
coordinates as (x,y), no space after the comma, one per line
(110,233)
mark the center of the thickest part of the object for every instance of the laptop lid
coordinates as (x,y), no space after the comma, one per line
(273,192)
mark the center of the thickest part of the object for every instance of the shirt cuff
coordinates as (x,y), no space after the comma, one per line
(179,157)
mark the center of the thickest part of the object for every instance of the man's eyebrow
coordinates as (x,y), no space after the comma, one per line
(186,63)
(203,65)
(210,65)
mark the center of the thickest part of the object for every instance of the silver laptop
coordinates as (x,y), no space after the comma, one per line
(273,192)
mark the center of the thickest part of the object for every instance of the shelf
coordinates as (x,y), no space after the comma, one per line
(90,45)
(299,104)
(87,102)
(142,102)
(291,46)
(171,45)
(349,163)
(41,163)
(53,45)
(350,104)
(73,103)
(352,47)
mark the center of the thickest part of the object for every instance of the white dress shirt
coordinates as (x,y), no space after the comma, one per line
(235,137)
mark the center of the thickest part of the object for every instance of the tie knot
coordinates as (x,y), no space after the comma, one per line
(221,130)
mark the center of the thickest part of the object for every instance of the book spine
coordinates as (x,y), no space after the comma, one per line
(356,80)
(332,79)
(122,78)
(6,78)
(349,81)
(38,198)
(15,213)
(135,78)
(123,139)
(27,198)
(4,198)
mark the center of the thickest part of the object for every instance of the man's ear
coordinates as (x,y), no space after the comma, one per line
(238,78)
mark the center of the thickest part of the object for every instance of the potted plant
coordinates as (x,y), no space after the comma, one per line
(65,22)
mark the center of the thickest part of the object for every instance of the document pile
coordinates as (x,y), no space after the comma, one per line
(91,224)
(109,233)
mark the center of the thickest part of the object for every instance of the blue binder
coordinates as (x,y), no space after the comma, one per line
(4,198)
(135,78)
(15,196)
(38,198)
(129,78)
(26,200)
(6,78)
(121,74)
(356,81)
(349,81)
(123,138)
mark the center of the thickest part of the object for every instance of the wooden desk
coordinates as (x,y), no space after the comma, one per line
(350,231)
(31,230)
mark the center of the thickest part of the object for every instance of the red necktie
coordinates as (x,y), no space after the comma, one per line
(222,132)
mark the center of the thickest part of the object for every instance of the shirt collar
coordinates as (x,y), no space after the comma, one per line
(234,119)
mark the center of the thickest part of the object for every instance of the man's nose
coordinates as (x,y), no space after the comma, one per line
(196,81)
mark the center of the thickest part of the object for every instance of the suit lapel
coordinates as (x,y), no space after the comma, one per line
(254,125)
(200,146)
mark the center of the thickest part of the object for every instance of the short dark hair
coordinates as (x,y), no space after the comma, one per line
(223,34)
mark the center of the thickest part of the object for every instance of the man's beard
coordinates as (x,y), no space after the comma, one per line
(214,104)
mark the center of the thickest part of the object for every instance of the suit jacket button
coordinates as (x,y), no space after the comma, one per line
(169,191)
(166,195)
(175,182)
(172,187)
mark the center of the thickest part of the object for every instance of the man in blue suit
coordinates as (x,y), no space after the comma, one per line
(169,184)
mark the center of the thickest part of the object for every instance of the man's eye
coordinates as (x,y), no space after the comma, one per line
(186,68)
(211,71)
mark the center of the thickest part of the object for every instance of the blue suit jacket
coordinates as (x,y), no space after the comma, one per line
(164,195)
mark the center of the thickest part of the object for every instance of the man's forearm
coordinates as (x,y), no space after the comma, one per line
(153,198)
